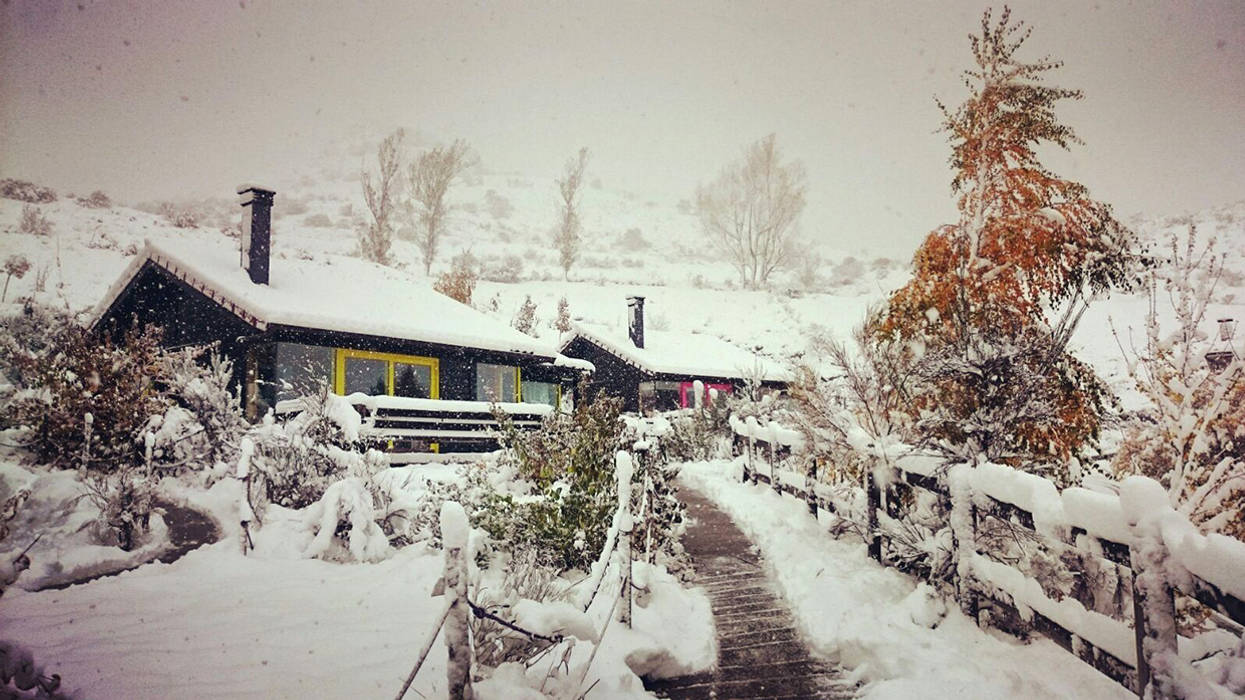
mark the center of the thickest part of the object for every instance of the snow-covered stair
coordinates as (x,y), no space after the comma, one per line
(760,654)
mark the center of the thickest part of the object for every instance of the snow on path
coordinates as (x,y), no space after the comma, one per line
(217,625)
(877,621)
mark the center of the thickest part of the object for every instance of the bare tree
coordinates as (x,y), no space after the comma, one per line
(379,194)
(431,176)
(567,238)
(751,210)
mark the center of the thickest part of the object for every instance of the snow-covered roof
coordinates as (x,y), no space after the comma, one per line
(689,354)
(348,295)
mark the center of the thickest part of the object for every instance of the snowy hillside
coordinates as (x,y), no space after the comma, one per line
(632,247)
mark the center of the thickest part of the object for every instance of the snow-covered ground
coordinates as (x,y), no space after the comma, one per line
(893,634)
(217,624)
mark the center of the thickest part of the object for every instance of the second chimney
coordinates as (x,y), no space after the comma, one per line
(256,205)
(635,320)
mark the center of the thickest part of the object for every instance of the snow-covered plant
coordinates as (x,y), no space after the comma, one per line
(15,266)
(205,425)
(296,459)
(563,321)
(1028,246)
(82,399)
(567,237)
(459,282)
(34,222)
(28,679)
(25,191)
(344,523)
(525,576)
(569,461)
(659,515)
(1192,438)
(125,499)
(10,569)
(525,318)
(431,176)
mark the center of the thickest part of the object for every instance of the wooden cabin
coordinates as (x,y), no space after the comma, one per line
(287,323)
(660,370)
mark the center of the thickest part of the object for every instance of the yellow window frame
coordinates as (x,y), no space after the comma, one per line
(557,391)
(342,354)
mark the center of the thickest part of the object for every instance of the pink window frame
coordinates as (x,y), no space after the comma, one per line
(687,398)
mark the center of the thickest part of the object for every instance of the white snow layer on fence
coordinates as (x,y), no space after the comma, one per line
(771,432)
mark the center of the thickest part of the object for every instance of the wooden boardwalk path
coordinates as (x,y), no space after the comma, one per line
(760,654)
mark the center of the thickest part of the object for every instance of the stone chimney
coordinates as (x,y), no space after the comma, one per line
(635,320)
(256,203)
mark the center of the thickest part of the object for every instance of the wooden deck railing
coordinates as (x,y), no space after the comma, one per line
(1137,647)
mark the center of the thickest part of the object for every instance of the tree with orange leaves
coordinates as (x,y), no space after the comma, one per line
(995,296)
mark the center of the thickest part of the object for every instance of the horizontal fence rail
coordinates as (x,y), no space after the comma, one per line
(1090,527)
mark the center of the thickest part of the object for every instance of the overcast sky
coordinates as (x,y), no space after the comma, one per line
(187,99)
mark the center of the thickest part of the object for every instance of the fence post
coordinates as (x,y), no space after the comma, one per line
(959,504)
(245,513)
(1154,619)
(622,469)
(810,486)
(454,532)
(873,501)
(773,473)
(751,457)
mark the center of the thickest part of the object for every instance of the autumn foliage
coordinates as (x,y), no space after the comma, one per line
(995,295)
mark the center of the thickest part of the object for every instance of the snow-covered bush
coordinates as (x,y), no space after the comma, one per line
(344,523)
(296,459)
(1192,439)
(204,426)
(81,400)
(525,318)
(524,577)
(179,216)
(125,499)
(96,200)
(14,266)
(18,667)
(459,282)
(570,462)
(33,222)
(24,191)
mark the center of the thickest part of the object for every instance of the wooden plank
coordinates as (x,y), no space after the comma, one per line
(1101,660)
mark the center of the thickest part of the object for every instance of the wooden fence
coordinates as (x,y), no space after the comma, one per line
(458,607)
(1091,531)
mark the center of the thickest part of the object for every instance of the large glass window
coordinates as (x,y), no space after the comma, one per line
(496,382)
(300,368)
(540,392)
(667,396)
(366,375)
(379,374)
(413,380)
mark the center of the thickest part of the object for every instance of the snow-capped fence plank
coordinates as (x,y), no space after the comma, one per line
(1090,526)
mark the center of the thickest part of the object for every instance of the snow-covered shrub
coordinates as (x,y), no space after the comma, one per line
(82,400)
(205,425)
(1192,438)
(344,523)
(179,216)
(497,205)
(14,266)
(509,270)
(563,321)
(459,282)
(33,222)
(18,667)
(524,577)
(296,459)
(125,499)
(96,200)
(525,318)
(570,462)
(24,191)
(10,569)
(659,515)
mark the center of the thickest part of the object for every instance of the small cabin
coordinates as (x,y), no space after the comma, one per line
(660,370)
(288,324)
